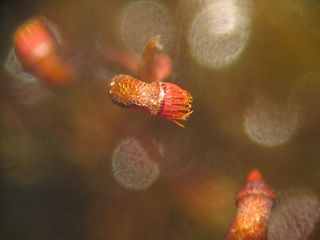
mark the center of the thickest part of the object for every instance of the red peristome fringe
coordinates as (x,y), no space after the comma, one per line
(176,104)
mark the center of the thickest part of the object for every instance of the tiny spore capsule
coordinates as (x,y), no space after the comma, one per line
(163,99)
(254,207)
(38,51)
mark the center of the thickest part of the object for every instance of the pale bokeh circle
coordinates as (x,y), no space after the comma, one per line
(294,215)
(26,87)
(219,33)
(141,20)
(132,165)
(269,124)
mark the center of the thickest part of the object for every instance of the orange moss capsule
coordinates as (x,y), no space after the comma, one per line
(162,99)
(38,52)
(254,206)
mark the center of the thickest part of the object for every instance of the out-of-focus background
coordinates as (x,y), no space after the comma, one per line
(76,166)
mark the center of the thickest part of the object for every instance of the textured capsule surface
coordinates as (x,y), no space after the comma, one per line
(127,91)
(254,206)
(162,99)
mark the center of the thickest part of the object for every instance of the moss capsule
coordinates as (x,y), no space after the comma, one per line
(162,99)
(254,206)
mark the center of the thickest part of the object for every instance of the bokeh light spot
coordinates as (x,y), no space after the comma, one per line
(294,216)
(25,86)
(269,124)
(219,33)
(143,19)
(132,166)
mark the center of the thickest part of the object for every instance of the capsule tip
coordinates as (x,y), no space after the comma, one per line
(33,41)
(176,104)
(255,176)
(256,185)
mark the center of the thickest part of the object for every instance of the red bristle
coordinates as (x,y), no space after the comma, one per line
(176,103)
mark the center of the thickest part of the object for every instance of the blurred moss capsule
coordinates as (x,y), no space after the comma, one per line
(38,51)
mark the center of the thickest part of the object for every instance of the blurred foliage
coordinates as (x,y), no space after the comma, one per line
(57,179)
